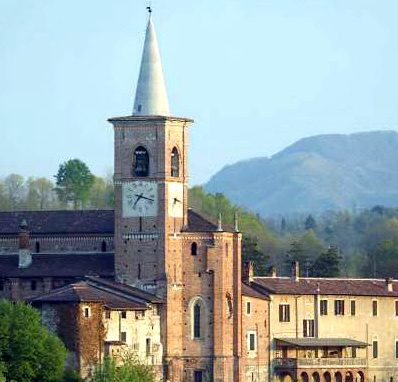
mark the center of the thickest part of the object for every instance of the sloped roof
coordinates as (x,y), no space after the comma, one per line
(324,286)
(59,222)
(86,291)
(251,292)
(321,342)
(60,265)
(83,222)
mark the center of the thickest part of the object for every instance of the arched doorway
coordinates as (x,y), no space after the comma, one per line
(349,377)
(315,377)
(327,377)
(303,377)
(338,377)
(360,377)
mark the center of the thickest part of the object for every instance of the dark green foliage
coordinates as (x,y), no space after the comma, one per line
(74,181)
(131,370)
(327,264)
(28,351)
(252,252)
(310,223)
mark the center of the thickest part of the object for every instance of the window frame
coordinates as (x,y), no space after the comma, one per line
(375,349)
(284,312)
(353,304)
(251,345)
(309,328)
(143,174)
(339,307)
(175,162)
(323,307)
(248,308)
(375,308)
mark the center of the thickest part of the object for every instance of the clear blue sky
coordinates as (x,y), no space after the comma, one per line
(255,75)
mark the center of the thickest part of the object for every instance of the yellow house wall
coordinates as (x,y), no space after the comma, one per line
(363,327)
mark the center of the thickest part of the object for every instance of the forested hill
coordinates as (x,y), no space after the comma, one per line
(324,172)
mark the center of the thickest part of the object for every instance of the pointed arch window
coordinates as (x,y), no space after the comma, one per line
(175,162)
(141,162)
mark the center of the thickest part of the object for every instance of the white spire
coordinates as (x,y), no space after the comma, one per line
(150,95)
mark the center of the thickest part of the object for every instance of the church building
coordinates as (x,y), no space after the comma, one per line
(187,267)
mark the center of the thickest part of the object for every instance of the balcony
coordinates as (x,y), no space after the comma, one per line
(296,363)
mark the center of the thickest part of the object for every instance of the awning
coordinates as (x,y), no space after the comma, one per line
(320,342)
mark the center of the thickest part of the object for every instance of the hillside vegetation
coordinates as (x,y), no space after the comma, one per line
(316,174)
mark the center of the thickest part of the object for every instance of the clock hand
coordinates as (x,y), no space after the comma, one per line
(138,198)
(176,200)
(144,197)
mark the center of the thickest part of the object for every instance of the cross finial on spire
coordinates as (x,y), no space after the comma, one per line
(149,8)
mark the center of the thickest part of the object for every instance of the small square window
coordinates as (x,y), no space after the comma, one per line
(123,336)
(124,314)
(248,308)
(107,314)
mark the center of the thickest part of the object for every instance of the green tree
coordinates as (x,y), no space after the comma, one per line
(101,193)
(28,351)
(328,263)
(40,194)
(130,370)
(310,223)
(74,181)
(252,252)
(15,191)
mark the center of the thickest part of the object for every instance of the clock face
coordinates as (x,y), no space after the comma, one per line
(176,200)
(140,198)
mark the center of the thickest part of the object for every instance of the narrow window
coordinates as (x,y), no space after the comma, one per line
(375,350)
(284,352)
(324,307)
(175,162)
(141,162)
(248,308)
(103,246)
(107,314)
(308,328)
(86,312)
(33,285)
(353,307)
(339,307)
(37,247)
(124,314)
(196,321)
(198,376)
(123,336)
(148,347)
(396,349)
(354,352)
(374,307)
(396,308)
(251,341)
(139,272)
(194,249)
(284,313)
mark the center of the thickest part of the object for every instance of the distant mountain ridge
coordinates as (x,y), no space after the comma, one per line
(315,174)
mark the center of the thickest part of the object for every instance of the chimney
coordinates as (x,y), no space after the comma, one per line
(24,255)
(248,272)
(390,284)
(273,271)
(295,270)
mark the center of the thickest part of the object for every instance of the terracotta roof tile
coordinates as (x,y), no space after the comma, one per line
(324,286)
(59,222)
(60,265)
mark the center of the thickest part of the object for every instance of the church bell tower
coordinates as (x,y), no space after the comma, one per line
(150,178)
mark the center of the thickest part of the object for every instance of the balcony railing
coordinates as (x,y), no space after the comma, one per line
(319,362)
